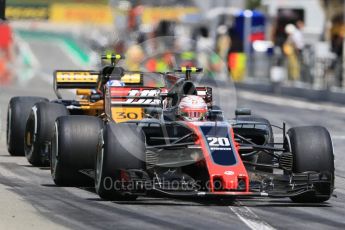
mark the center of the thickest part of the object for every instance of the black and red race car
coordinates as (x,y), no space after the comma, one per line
(141,145)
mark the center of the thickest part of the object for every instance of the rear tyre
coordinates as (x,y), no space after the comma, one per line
(121,146)
(74,147)
(17,115)
(39,131)
(312,150)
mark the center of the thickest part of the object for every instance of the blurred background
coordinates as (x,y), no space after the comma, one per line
(285,58)
(282,46)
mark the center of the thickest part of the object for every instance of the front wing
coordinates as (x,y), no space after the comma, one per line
(276,186)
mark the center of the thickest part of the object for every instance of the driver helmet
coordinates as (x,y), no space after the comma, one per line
(192,108)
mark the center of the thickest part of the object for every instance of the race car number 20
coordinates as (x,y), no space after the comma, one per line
(218,141)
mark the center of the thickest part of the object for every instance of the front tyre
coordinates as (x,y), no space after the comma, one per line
(121,147)
(312,150)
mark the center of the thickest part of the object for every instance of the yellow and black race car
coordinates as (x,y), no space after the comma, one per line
(30,120)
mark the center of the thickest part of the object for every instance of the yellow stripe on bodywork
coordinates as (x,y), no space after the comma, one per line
(84,92)
(66,77)
(131,78)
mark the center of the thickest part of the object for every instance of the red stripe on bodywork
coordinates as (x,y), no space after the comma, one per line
(217,172)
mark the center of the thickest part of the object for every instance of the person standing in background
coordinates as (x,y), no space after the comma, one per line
(204,47)
(223,41)
(134,57)
(337,33)
(293,49)
(299,44)
(298,38)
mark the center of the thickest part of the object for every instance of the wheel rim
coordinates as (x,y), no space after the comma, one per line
(8,127)
(30,135)
(54,152)
(99,164)
(28,141)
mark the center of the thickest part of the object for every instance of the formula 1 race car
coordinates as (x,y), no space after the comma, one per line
(177,143)
(30,120)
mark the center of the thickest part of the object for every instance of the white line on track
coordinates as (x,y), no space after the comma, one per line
(290,102)
(248,217)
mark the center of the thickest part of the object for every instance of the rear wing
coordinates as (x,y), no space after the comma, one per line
(75,79)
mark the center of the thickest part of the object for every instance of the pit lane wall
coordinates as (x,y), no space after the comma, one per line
(80,13)
(86,11)
(60,11)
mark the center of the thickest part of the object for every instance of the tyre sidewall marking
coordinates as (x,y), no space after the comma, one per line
(56,151)
(99,162)
(34,109)
(9,126)
(29,154)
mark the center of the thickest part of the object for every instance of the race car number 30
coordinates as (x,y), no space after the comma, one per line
(122,114)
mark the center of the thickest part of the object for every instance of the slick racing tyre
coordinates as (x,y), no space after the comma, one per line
(262,157)
(17,114)
(312,150)
(121,147)
(74,147)
(39,131)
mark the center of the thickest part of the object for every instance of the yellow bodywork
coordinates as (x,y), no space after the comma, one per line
(92,108)
(86,79)
(123,114)
(131,78)
(75,77)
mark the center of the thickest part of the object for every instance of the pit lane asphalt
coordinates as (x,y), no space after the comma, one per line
(78,208)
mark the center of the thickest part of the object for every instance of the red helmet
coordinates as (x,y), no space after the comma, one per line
(192,108)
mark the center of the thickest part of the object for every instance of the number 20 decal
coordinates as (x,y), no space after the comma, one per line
(218,141)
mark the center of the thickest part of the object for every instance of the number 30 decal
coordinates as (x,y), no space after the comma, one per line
(130,115)
(218,141)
